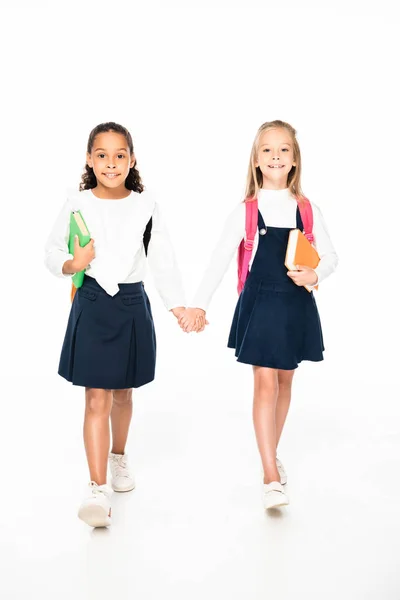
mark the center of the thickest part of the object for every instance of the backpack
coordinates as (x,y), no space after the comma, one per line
(245,250)
(146,241)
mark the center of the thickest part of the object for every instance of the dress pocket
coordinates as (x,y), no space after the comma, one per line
(88,294)
(131,299)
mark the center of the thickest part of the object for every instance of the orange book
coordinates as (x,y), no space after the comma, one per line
(300,252)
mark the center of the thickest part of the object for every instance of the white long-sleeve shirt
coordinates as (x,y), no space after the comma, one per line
(117,227)
(278,209)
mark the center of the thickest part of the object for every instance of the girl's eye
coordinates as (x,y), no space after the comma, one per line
(100,155)
(266,150)
(285,149)
(121,156)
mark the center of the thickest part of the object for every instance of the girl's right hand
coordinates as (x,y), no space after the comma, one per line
(82,256)
(193,319)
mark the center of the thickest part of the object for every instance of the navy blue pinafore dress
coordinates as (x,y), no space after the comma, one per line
(110,341)
(276,323)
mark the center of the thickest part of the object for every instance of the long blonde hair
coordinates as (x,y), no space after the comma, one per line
(254,175)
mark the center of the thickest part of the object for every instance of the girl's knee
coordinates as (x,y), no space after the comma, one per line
(122,397)
(266,381)
(265,392)
(98,401)
(285,379)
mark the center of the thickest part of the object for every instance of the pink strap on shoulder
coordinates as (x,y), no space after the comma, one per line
(306,214)
(248,243)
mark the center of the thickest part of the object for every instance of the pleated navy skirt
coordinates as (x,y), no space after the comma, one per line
(110,341)
(276,323)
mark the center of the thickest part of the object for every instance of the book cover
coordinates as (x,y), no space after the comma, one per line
(77,226)
(300,252)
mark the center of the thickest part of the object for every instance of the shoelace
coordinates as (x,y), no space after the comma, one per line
(120,465)
(94,488)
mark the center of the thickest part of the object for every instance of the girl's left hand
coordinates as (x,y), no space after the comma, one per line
(193,319)
(178,311)
(303,276)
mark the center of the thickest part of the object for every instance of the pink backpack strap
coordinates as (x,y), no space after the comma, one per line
(246,246)
(306,214)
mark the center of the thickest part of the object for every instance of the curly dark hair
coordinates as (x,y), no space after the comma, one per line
(89,181)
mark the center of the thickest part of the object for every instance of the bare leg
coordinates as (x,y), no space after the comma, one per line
(266,389)
(285,379)
(121,415)
(96,432)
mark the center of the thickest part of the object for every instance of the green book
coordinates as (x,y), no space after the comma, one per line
(77,226)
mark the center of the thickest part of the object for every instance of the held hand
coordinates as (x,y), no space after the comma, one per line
(193,319)
(82,256)
(303,276)
(178,311)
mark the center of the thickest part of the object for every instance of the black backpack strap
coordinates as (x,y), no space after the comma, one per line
(147,235)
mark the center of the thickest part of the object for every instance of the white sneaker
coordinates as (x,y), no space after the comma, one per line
(274,495)
(95,510)
(281,471)
(121,476)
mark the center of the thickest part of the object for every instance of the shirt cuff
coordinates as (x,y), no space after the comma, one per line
(199,303)
(170,305)
(55,262)
(66,275)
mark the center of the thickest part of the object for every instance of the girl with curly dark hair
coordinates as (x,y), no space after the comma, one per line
(89,179)
(110,345)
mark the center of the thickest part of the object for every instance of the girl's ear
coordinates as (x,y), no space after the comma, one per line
(133,161)
(89,160)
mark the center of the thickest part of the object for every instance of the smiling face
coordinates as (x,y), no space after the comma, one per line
(275,158)
(110,159)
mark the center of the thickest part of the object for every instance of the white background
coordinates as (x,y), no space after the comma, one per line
(193,82)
